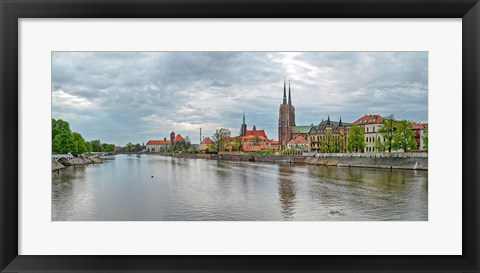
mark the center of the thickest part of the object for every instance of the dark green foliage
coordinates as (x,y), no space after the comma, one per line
(387,132)
(220,138)
(356,139)
(425,140)
(404,136)
(80,145)
(63,143)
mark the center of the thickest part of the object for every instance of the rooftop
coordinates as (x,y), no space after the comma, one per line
(298,140)
(158,142)
(418,125)
(256,133)
(335,125)
(303,129)
(206,140)
(178,138)
(369,119)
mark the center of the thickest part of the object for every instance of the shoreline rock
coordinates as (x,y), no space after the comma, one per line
(80,161)
(77,161)
(95,160)
(56,165)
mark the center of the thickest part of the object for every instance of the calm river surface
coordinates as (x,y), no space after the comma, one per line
(157,188)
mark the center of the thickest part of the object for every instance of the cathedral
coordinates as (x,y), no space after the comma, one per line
(286,118)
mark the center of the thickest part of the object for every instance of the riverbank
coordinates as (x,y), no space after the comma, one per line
(64,162)
(357,162)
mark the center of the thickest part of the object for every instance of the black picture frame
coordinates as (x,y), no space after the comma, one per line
(12,10)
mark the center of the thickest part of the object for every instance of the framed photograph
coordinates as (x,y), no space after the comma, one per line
(246,136)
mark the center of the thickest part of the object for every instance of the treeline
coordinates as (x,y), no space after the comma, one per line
(133,148)
(65,141)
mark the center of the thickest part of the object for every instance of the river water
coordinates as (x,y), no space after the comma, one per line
(158,188)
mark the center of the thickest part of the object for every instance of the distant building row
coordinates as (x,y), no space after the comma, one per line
(325,137)
(331,135)
(175,142)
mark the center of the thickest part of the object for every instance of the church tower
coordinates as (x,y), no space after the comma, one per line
(291,108)
(286,118)
(243,128)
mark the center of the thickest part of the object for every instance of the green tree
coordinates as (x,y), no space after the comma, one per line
(404,136)
(379,145)
(88,146)
(80,145)
(111,148)
(192,149)
(129,147)
(62,135)
(63,143)
(425,140)
(387,131)
(138,147)
(333,143)
(220,138)
(188,143)
(356,139)
(96,145)
(59,126)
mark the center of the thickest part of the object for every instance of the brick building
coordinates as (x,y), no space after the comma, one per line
(286,118)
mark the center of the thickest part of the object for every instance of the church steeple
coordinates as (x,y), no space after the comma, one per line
(284,91)
(243,127)
(289,94)
(328,120)
(340,123)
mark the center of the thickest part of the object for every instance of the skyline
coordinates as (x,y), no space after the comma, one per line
(121,97)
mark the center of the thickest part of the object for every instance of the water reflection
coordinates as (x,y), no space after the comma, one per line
(156,188)
(286,191)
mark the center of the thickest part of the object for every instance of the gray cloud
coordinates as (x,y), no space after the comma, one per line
(122,97)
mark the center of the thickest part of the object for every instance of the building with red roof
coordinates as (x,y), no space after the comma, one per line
(255,132)
(178,138)
(298,143)
(371,125)
(206,144)
(250,138)
(248,148)
(420,130)
(178,143)
(369,119)
(158,145)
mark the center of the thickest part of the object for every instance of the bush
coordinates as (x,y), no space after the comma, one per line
(211,151)
(264,152)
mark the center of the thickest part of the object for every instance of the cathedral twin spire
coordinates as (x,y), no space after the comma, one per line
(285,92)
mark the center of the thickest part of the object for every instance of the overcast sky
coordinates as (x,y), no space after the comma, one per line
(121,97)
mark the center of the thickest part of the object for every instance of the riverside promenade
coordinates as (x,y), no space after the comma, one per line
(382,161)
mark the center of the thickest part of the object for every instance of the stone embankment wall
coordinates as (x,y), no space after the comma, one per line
(370,162)
(408,163)
(361,162)
(203,156)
